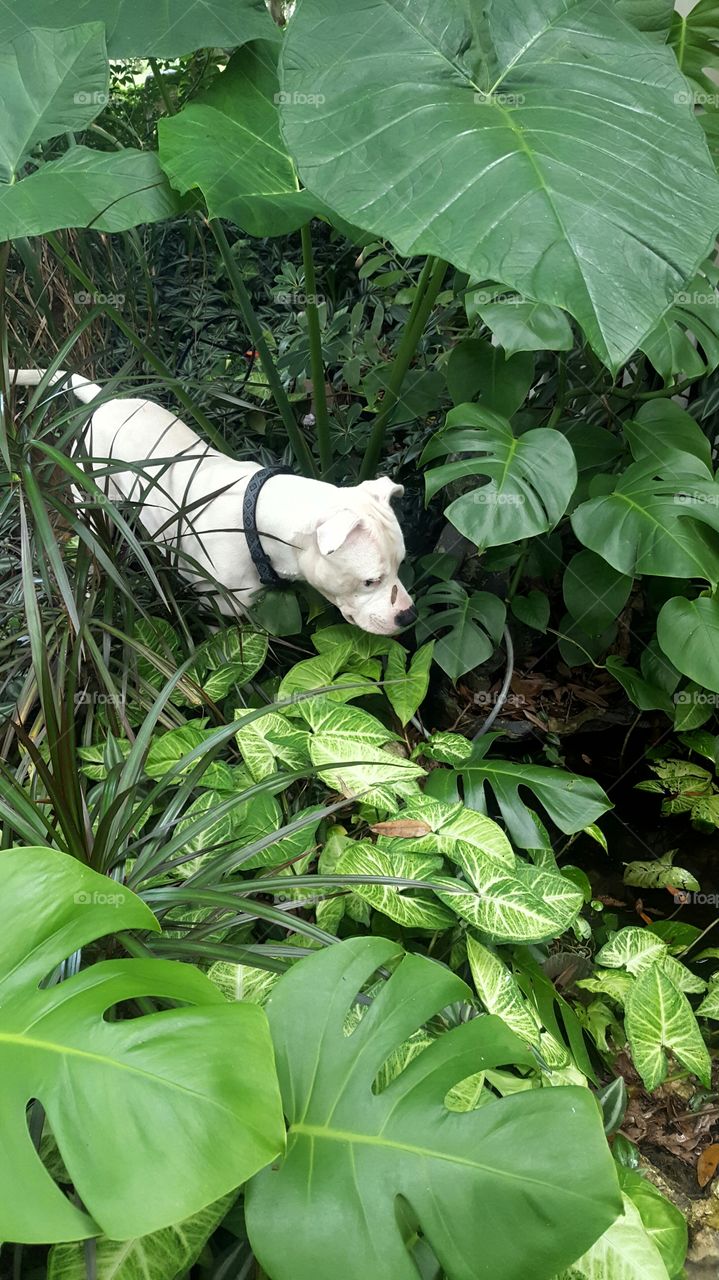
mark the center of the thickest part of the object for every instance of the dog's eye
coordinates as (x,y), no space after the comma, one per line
(372,582)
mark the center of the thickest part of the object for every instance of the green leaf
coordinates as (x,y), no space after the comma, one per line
(624,1252)
(659,1018)
(633,949)
(709,1007)
(533,610)
(660,874)
(364,859)
(694,37)
(643,693)
(594,592)
(347,749)
(518,325)
(473,625)
(227,143)
(158,1092)
(477,370)
(552,183)
(661,518)
(685,343)
(107,191)
(531,478)
(501,994)
(647,15)
(50,82)
(572,802)
(454,831)
(267,739)
(230,658)
(407,690)
(688,632)
(163,1255)
(665,1225)
(524,904)
(136,30)
(660,428)
(458,1171)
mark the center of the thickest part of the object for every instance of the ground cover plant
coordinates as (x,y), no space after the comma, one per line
(326,951)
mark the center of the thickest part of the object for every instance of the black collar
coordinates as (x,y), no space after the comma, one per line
(260,558)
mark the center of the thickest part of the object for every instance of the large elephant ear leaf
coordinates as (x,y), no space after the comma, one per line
(361,1150)
(136,29)
(228,144)
(162,1092)
(529,479)
(546,180)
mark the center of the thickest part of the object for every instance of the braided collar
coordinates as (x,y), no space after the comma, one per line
(260,558)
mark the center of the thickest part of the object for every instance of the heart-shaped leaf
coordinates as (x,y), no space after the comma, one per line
(688,631)
(531,477)
(228,144)
(552,182)
(360,858)
(519,325)
(624,1252)
(359,1150)
(658,1019)
(161,1093)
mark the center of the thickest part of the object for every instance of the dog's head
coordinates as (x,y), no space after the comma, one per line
(355,555)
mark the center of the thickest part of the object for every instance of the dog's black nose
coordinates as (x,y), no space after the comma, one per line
(406,617)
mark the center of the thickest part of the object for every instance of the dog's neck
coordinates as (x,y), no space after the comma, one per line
(289,510)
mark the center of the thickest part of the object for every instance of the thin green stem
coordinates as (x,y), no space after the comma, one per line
(164,94)
(430,283)
(297,441)
(5,418)
(317,366)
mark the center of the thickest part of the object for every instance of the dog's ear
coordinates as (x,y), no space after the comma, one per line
(336,529)
(384,488)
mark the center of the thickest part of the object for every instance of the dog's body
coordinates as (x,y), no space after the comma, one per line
(345,542)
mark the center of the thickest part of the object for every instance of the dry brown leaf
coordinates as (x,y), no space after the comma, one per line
(402,828)
(707,1164)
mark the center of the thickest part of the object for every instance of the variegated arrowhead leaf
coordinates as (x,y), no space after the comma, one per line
(266,739)
(709,1007)
(523,904)
(364,859)
(455,831)
(658,1019)
(636,949)
(347,748)
(624,1252)
(500,993)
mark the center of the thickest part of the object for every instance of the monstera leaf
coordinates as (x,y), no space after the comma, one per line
(53,82)
(662,518)
(228,144)
(136,29)
(689,328)
(470,1180)
(572,802)
(695,39)
(162,1092)
(551,182)
(469,626)
(531,477)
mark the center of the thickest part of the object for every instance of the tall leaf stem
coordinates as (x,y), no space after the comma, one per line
(297,441)
(428,287)
(317,366)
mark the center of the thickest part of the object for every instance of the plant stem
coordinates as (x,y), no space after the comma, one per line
(297,441)
(5,419)
(164,94)
(430,283)
(319,387)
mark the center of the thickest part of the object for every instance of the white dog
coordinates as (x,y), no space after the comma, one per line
(240,535)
